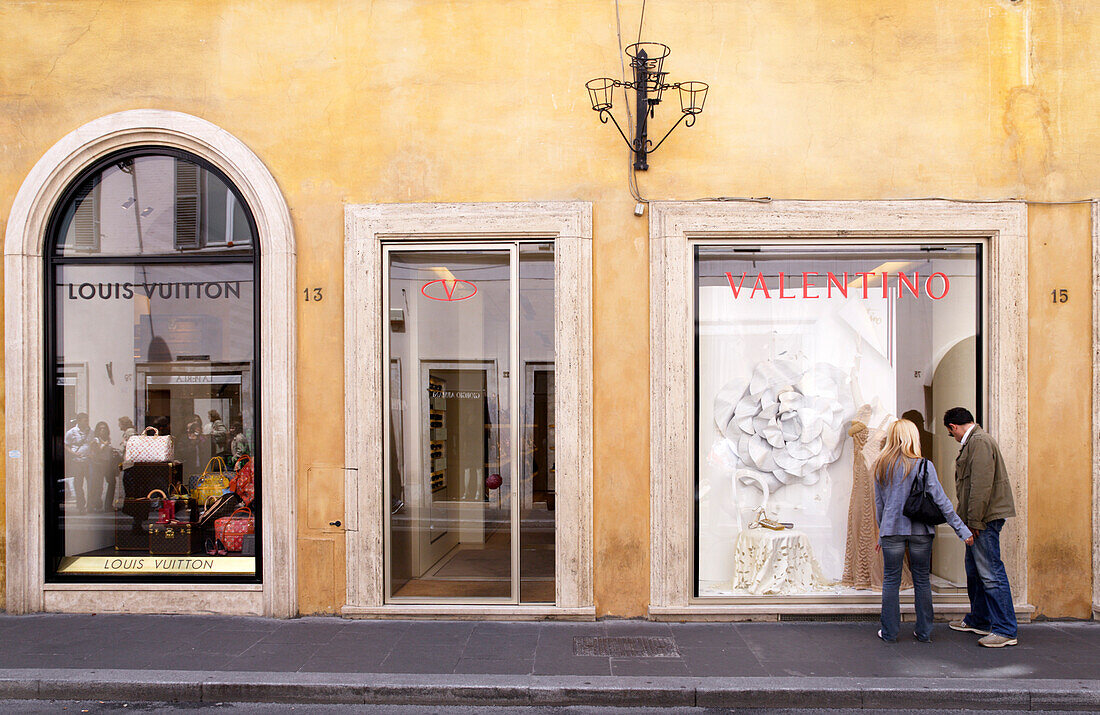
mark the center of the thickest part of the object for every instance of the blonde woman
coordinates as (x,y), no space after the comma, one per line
(897,466)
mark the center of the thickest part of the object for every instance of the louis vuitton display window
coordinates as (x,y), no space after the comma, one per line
(152,458)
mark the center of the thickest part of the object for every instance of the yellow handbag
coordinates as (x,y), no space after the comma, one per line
(213,483)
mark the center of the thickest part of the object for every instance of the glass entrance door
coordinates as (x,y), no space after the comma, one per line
(470,349)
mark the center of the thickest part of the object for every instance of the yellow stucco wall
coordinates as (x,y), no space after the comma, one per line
(481,100)
(1059,367)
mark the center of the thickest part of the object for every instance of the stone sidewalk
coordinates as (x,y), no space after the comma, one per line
(215,658)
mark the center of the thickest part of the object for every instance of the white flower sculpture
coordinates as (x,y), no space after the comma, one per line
(787,425)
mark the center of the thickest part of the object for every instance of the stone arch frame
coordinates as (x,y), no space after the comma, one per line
(24,246)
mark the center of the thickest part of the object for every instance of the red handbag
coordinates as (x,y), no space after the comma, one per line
(243,483)
(230,530)
(166,507)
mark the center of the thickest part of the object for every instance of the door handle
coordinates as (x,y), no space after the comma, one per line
(334,523)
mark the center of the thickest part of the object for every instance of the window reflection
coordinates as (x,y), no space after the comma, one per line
(150,205)
(804,356)
(470,516)
(146,350)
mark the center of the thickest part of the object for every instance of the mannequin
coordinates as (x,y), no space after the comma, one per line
(747,477)
(862,561)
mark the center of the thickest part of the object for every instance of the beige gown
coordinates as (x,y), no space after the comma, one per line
(862,561)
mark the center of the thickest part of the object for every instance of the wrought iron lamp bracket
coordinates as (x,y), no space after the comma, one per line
(648,86)
(689,116)
(606,114)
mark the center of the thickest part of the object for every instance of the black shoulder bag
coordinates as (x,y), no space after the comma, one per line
(919,506)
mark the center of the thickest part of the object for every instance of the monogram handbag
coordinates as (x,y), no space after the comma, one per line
(149,446)
(230,530)
(243,483)
(919,506)
(213,482)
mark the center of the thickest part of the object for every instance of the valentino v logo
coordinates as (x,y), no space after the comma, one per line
(449,290)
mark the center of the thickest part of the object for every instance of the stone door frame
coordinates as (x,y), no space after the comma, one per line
(568,224)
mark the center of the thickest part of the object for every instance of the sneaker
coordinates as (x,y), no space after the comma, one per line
(882,637)
(967,628)
(996,641)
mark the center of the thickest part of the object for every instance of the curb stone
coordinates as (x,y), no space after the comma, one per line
(388,689)
(112,690)
(1080,698)
(19,689)
(328,693)
(932,697)
(778,693)
(620,695)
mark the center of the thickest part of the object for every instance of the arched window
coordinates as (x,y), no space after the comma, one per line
(152,323)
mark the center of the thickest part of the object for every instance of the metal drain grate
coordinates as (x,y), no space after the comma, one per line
(625,646)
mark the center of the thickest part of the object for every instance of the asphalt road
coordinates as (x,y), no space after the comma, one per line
(94,707)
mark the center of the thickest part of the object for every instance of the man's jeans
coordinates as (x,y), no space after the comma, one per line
(920,563)
(987,583)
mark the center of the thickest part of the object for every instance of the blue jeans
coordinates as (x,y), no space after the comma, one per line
(920,564)
(987,583)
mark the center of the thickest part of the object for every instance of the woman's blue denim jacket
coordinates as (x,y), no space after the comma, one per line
(890,499)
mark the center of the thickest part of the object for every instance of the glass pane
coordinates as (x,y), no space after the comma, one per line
(153,205)
(450,462)
(165,346)
(536,350)
(803,358)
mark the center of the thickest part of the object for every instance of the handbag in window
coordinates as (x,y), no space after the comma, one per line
(243,482)
(216,507)
(213,482)
(230,530)
(149,446)
(919,505)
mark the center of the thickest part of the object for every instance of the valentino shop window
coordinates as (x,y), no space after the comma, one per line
(470,492)
(151,285)
(801,349)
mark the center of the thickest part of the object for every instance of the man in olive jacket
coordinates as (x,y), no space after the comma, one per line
(985,501)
